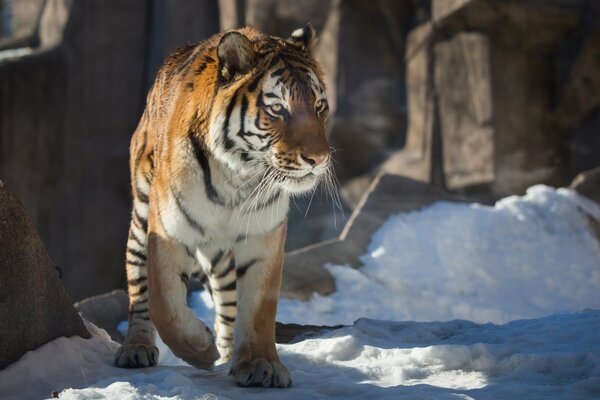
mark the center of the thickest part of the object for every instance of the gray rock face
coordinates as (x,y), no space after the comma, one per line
(505,94)
(34,307)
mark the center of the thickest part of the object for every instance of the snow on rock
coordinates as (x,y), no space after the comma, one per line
(63,362)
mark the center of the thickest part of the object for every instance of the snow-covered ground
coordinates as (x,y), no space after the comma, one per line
(527,257)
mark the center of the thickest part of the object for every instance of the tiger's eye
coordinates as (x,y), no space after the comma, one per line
(276,108)
(321,106)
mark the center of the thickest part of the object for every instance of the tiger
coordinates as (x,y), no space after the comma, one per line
(233,127)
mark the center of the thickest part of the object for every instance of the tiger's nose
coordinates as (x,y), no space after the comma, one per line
(314,160)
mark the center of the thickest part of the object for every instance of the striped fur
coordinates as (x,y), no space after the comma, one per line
(233,127)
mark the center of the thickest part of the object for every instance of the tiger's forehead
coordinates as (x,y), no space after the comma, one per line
(292,80)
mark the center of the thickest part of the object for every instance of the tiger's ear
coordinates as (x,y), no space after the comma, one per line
(236,55)
(304,37)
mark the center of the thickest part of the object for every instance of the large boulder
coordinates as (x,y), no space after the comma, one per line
(34,307)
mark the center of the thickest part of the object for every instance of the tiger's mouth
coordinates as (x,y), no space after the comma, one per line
(294,184)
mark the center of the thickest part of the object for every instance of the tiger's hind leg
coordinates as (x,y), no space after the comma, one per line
(222,281)
(138,349)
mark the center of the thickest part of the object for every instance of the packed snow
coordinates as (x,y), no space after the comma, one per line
(526,257)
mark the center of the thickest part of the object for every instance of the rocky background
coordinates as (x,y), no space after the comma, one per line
(475,98)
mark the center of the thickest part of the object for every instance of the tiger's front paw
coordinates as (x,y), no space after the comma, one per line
(195,346)
(260,372)
(136,356)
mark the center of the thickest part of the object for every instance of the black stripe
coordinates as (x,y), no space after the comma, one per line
(227,288)
(142,221)
(143,310)
(142,150)
(227,140)
(252,86)
(274,62)
(229,304)
(229,268)
(278,72)
(183,67)
(203,161)
(143,197)
(184,211)
(217,257)
(136,239)
(243,114)
(202,279)
(136,253)
(200,69)
(135,282)
(142,290)
(136,263)
(241,270)
(185,278)
(226,318)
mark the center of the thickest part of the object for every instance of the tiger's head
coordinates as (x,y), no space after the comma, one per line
(272,108)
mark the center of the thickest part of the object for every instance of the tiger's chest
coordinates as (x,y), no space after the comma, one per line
(220,210)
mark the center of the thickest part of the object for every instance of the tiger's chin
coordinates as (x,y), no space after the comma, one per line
(298,185)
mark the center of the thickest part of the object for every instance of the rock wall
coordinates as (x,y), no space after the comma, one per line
(68,111)
(506,88)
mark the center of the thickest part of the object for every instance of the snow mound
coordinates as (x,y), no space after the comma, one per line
(525,257)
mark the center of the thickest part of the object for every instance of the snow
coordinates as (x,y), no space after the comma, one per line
(555,357)
(527,257)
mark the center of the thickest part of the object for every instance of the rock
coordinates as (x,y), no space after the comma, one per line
(34,307)
(588,184)
(370,86)
(288,333)
(303,271)
(463,85)
(106,311)
(502,95)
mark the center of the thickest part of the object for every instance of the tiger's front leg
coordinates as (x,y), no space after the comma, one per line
(259,261)
(187,336)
